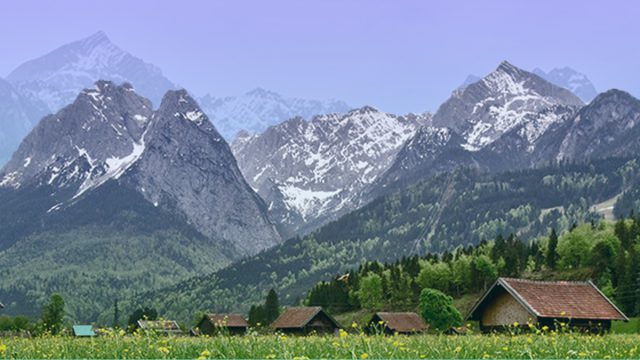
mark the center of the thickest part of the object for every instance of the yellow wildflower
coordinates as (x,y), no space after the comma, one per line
(364,356)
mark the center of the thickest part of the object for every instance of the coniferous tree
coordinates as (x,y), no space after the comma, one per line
(552,250)
(116,314)
(271,307)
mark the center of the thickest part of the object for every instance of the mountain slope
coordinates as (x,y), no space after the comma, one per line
(493,124)
(258,109)
(109,191)
(571,80)
(57,77)
(310,172)
(447,211)
(608,126)
(483,111)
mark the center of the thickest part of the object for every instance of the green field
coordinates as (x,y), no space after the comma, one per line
(345,346)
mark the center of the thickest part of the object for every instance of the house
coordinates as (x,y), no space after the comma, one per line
(164,327)
(305,320)
(517,302)
(396,323)
(212,324)
(83,331)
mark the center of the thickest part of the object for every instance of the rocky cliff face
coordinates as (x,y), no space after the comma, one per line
(173,157)
(309,172)
(608,126)
(507,98)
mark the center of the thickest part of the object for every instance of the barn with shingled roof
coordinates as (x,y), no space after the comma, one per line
(231,324)
(518,302)
(389,323)
(305,320)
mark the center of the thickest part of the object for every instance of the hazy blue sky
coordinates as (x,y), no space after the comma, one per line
(397,55)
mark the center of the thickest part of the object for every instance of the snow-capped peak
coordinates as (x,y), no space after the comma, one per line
(57,77)
(506,98)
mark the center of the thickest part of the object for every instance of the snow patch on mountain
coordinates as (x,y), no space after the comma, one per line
(311,171)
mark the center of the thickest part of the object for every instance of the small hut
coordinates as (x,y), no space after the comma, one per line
(305,320)
(396,323)
(162,327)
(519,302)
(83,331)
(232,324)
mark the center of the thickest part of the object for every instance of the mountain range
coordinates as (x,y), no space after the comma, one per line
(112,191)
(46,84)
(258,109)
(311,172)
(128,190)
(446,187)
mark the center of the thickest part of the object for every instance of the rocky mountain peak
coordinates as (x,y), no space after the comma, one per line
(501,101)
(57,77)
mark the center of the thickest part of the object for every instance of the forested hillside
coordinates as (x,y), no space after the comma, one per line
(446,212)
(604,252)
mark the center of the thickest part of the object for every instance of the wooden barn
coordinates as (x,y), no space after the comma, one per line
(545,303)
(162,327)
(305,320)
(214,324)
(396,323)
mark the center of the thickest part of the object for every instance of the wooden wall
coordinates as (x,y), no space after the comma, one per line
(504,310)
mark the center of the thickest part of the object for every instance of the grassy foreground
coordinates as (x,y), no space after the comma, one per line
(345,346)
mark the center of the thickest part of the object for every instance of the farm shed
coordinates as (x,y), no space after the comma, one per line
(396,322)
(545,303)
(305,320)
(164,327)
(83,331)
(232,324)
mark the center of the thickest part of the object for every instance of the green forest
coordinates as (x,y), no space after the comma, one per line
(607,253)
(454,214)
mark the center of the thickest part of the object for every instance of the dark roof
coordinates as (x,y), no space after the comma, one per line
(556,299)
(299,317)
(159,325)
(227,320)
(402,321)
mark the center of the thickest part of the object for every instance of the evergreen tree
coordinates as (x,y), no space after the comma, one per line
(271,307)
(116,315)
(552,250)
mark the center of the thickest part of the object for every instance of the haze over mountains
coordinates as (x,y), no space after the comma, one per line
(129,182)
(52,81)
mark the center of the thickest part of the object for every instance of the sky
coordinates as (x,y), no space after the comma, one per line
(398,56)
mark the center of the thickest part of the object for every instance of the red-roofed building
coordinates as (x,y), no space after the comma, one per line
(397,323)
(544,303)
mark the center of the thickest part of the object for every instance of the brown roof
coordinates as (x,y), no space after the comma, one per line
(299,317)
(559,299)
(228,320)
(402,321)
